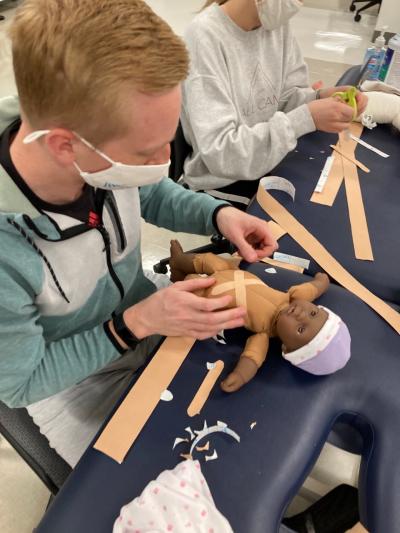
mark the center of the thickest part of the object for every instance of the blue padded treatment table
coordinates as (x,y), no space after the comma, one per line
(252,482)
(331,225)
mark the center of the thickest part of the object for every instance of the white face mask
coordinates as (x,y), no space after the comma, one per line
(276,13)
(118,176)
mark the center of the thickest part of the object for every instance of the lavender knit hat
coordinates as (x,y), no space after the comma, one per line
(327,352)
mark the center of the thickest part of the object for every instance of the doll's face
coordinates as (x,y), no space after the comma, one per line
(298,323)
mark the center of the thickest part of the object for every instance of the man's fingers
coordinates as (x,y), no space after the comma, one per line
(212,304)
(247,251)
(191,285)
(267,251)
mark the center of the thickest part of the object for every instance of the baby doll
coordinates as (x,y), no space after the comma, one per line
(313,337)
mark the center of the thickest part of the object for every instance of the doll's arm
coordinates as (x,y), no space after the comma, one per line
(311,290)
(252,358)
(256,348)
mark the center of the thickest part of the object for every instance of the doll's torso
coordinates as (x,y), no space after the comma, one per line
(261,301)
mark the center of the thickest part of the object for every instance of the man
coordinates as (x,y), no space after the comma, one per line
(81,160)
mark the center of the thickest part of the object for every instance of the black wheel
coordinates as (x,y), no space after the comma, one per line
(357,17)
(352,7)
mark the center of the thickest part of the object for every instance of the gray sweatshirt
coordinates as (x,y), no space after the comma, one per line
(244,102)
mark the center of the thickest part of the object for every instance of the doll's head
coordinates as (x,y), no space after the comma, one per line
(313,338)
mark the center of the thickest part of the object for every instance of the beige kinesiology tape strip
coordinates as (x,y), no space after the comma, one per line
(357,217)
(319,253)
(129,419)
(336,175)
(238,284)
(350,158)
(358,220)
(203,393)
(276,230)
(345,167)
(280,264)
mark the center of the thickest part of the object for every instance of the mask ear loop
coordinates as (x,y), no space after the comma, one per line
(34,136)
(90,145)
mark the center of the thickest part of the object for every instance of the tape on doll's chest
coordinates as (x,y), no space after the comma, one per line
(237,287)
(243,289)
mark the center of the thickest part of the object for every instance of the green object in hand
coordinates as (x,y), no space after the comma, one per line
(349,97)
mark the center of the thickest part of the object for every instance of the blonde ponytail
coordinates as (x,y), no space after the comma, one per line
(209,2)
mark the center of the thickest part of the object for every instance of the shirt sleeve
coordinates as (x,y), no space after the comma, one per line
(296,90)
(169,205)
(32,368)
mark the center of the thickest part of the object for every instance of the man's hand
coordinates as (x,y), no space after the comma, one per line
(361,98)
(249,234)
(176,311)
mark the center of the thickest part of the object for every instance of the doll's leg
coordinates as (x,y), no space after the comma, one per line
(182,263)
(210,263)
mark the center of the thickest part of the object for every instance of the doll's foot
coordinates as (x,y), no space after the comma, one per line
(245,370)
(180,263)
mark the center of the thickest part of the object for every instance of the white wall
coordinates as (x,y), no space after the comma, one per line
(389,16)
(336,5)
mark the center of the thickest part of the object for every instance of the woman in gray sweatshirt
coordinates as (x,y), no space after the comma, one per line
(247,99)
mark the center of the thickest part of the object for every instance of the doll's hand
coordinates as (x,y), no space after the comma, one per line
(321,281)
(244,371)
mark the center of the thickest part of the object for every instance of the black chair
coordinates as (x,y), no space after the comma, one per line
(18,428)
(369,3)
(180,149)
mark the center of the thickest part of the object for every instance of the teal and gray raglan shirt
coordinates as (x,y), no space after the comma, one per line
(63,273)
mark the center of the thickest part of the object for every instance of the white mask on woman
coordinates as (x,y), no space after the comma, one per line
(276,13)
(118,175)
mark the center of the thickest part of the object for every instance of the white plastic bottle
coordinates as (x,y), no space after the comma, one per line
(374,57)
(390,69)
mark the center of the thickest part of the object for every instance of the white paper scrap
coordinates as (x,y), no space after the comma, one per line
(204,448)
(369,146)
(278,184)
(220,337)
(212,457)
(178,440)
(270,270)
(252,425)
(166,396)
(292,260)
(189,430)
(214,429)
(324,174)
(368,122)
